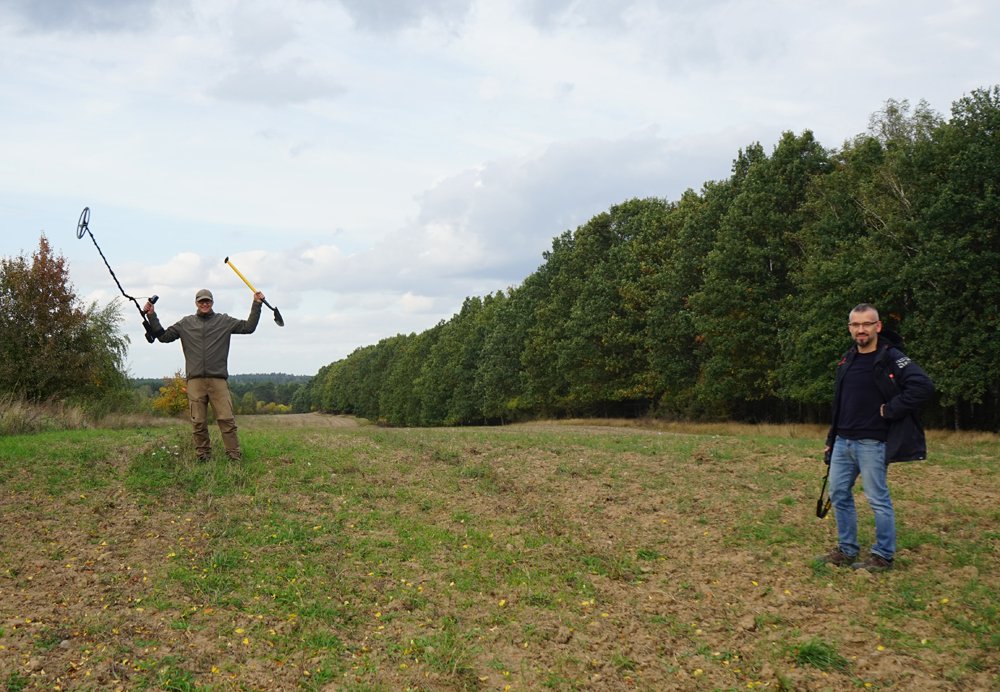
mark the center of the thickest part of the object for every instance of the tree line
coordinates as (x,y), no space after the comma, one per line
(251,393)
(732,301)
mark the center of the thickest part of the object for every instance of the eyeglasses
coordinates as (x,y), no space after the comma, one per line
(859,325)
(204,301)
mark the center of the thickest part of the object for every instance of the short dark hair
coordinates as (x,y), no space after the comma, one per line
(864,307)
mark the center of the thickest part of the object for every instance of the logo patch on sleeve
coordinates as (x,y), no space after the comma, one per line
(903,362)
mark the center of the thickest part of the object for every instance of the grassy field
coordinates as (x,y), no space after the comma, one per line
(569,556)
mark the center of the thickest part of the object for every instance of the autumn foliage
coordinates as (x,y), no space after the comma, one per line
(172,399)
(50,345)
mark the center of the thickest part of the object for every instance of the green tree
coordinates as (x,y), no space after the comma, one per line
(400,398)
(673,331)
(953,276)
(607,359)
(301,400)
(552,288)
(50,346)
(499,383)
(748,277)
(265,391)
(448,374)
(248,403)
(861,229)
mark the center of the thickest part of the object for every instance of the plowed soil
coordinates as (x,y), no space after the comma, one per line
(85,603)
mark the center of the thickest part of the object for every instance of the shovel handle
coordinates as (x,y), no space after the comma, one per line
(277,315)
(233,267)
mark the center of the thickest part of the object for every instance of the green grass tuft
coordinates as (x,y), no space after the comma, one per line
(822,655)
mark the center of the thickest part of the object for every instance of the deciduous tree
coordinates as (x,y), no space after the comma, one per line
(51,346)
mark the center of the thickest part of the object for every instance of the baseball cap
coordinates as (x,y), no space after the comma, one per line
(203,294)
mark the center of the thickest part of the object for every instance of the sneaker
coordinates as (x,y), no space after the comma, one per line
(873,563)
(837,558)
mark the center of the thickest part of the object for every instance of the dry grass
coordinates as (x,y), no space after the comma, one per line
(787,430)
(18,417)
(21,417)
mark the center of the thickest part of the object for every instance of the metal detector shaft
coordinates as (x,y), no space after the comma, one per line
(278,319)
(83,226)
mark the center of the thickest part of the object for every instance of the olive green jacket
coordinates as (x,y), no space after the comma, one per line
(205,339)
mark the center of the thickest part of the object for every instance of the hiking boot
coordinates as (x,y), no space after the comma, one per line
(204,457)
(235,457)
(837,558)
(873,563)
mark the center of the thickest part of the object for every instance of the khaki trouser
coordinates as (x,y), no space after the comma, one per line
(204,390)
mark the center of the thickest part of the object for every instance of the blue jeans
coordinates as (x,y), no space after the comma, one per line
(851,458)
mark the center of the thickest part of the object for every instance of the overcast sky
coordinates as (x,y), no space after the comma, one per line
(368,164)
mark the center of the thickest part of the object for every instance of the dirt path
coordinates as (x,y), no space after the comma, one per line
(300,420)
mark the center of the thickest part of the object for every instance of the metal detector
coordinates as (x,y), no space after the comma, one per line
(823,507)
(278,320)
(83,226)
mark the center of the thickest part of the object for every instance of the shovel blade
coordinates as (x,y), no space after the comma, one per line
(278,319)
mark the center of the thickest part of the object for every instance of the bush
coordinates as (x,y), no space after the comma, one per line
(172,399)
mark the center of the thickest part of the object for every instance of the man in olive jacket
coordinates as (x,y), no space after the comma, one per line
(877,397)
(205,339)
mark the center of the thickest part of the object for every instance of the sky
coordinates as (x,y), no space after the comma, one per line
(369,164)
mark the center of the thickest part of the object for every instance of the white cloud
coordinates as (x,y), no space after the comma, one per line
(288,83)
(368,165)
(393,15)
(87,15)
(261,28)
(411,303)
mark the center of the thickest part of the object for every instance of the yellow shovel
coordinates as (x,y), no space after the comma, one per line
(277,315)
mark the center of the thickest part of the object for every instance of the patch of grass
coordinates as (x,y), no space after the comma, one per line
(63,462)
(448,651)
(767,528)
(325,639)
(909,596)
(822,655)
(16,682)
(167,675)
(623,663)
(611,565)
(647,554)
(911,538)
(48,639)
(765,620)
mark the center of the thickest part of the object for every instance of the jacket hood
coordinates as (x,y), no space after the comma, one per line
(892,338)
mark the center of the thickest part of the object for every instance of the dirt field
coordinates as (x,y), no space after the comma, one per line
(86,603)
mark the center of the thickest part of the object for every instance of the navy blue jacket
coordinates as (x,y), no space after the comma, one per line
(904,386)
